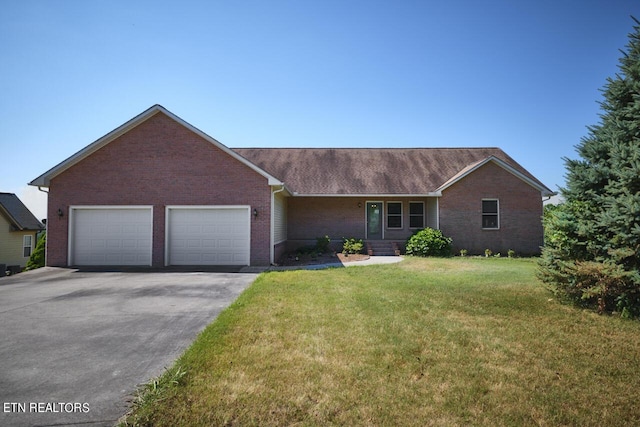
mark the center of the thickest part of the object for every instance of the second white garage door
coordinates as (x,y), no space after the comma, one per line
(217,235)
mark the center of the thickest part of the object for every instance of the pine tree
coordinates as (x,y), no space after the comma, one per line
(592,246)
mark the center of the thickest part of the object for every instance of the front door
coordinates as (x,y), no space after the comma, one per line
(374,220)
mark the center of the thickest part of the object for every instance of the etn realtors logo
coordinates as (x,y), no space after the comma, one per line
(44,407)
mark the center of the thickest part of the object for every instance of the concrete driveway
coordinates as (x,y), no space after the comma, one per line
(75,345)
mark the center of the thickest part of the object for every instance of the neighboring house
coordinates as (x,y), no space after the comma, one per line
(19,230)
(157,192)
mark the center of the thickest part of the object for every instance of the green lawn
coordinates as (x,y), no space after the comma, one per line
(459,341)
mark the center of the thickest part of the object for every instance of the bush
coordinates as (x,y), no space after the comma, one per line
(321,247)
(604,285)
(322,244)
(352,246)
(36,260)
(576,272)
(428,242)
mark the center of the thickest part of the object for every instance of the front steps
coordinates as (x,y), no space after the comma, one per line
(383,247)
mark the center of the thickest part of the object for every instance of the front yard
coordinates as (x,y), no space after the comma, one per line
(459,341)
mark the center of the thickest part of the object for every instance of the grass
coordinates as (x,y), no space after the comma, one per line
(447,342)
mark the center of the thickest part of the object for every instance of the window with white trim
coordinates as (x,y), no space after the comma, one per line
(394,215)
(416,214)
(490,214)
(27,245)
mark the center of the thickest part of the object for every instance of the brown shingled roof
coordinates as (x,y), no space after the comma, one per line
(336,171)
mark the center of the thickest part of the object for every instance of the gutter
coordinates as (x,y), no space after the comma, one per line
(431,194)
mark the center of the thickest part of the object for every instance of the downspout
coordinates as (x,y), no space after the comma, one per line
(46,229)
(272,233)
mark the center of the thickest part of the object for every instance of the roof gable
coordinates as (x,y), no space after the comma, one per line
(17,213)
(45,179)
(372,171)
(474,166)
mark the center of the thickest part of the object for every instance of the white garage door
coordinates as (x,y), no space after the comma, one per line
(110,236)
(208,235)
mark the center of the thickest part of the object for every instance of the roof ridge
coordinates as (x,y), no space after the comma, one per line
(375,170)
(366,148)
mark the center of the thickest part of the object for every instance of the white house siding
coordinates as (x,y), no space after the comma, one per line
(279,218)
(432,212)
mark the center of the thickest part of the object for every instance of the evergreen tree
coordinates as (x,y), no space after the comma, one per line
(592,241)
(36,260)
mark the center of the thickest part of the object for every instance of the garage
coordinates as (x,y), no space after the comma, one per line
(104,235)
(208,235)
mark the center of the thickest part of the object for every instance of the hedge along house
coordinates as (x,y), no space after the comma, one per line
(158,192)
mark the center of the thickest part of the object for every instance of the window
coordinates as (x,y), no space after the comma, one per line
(416,214)
(394,215)
(26,246)
(490,214)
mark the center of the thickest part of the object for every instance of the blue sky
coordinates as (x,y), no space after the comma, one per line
(521,75)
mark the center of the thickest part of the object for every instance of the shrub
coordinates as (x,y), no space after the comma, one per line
(601,284)
(487,253)
(463,252)
(36,260)
(511,253)
(352,246)
(321,247)
(307,250)
(428,242)
(322,244)
(577,272)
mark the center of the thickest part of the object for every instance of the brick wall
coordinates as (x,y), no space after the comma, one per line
(158,163)
(340,217)
(336,217)
(520,213)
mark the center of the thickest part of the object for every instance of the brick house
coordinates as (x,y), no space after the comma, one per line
(157,191)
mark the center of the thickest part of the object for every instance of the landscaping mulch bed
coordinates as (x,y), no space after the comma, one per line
(330,258)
